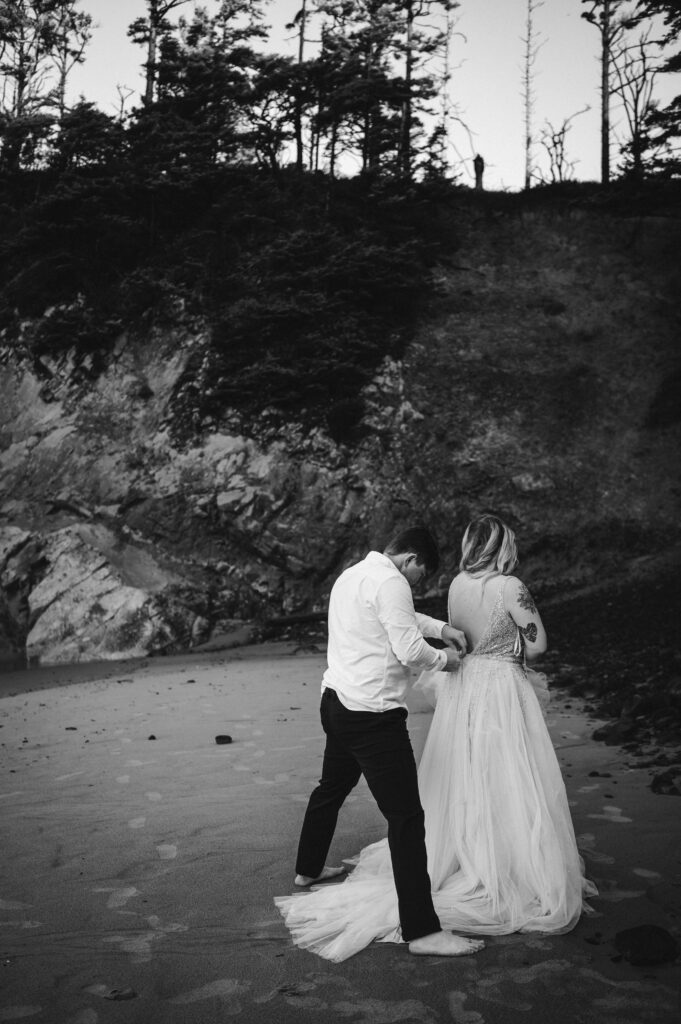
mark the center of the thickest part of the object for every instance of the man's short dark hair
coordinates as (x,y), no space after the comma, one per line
(419,541)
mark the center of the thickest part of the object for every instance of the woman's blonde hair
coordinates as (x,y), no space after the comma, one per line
(488,546)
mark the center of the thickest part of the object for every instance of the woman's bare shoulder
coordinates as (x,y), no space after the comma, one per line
(517,592)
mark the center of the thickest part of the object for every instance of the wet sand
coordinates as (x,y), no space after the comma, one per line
(140,859)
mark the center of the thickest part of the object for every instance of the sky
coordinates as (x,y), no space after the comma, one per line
(486,89)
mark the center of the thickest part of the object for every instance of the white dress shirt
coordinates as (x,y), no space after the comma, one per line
(374,633)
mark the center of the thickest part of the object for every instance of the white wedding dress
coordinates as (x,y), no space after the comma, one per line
(502,855)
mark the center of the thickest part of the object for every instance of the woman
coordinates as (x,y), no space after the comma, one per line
(502,855)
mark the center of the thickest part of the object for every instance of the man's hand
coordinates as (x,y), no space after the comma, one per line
(455,637)
(454,659)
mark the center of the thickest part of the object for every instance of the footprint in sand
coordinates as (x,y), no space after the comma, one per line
(586,845)
(223,987)
(84,1017)
(644,873)
(19,1012)
(598,858)
(461,1016)
(616,895)
(138,944)
(118,897)
(611,813)
(14,905)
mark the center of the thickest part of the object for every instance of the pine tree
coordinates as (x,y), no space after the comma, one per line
(662,126)
(204,83)
(423,32)
(72,34)
(149,32)
(610,18)
(26,64)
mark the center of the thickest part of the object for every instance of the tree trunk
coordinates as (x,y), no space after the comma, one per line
(366,141)
(527,82)
(151,57)
(405,142)
(605,94)
(298,114)
(61,91)
(332,150)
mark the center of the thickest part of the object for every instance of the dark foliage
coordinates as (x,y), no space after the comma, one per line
(305,283)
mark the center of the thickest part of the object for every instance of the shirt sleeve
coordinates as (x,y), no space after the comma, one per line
(429,626)
(395,610)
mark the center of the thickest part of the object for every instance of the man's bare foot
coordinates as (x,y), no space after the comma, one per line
(445,944)
(302,881)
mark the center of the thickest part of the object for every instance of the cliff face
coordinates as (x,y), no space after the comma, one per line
(544,385)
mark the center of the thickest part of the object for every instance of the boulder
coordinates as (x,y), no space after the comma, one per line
(101,599)
(616,732)
(17,551)
(646,944)
(667,783)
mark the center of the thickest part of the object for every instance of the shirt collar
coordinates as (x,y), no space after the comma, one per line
(378,558)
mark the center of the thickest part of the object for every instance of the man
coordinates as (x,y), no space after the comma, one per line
(374,633)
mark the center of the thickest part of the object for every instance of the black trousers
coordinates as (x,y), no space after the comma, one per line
(376,745)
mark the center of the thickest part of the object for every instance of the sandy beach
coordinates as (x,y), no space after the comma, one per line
(140,859)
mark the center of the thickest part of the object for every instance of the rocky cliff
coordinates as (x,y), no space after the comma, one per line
(543,384)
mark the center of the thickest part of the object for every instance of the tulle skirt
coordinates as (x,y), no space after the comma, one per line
(502,854)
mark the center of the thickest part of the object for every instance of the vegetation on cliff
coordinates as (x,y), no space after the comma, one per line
(305,283)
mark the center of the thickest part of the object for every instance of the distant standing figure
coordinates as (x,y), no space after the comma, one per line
(479,167)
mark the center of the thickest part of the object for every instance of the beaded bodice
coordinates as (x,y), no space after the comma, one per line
(500,638)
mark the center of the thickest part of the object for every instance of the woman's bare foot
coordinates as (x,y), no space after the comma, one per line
(302,881)
(445,944)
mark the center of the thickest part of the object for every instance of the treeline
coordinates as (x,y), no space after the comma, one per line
(215,95)
(368,92)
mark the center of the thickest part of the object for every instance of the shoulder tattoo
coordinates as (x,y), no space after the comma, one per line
(529,632)
(525,600)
